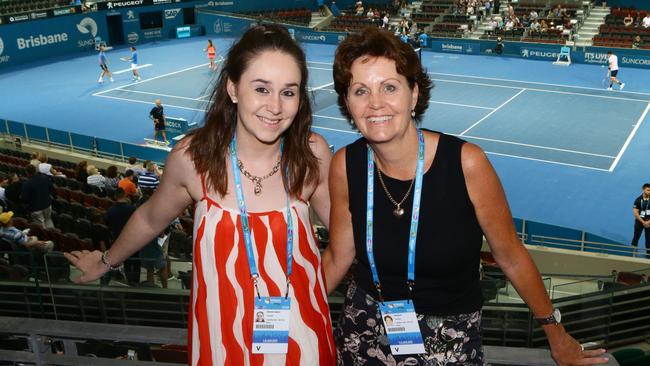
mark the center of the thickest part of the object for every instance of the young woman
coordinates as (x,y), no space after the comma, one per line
(253,170)
(412,206)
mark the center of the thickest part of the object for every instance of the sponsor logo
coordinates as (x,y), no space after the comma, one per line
(171,13)
(133,37)
(526,53)
(88,25)
(217,26)
(4,58)
(292,33)
(64,11)
(595,58)
(41,40)
(153,34)
(341,38)
(313,37)
(18,18)
(122,4)
(130,14)
(452,47)
(156,2)
(635,61)
(220,3)
(39,15)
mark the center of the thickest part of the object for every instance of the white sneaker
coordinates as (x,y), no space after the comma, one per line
(610,88)
(622,86)
(112,81)
(100,81)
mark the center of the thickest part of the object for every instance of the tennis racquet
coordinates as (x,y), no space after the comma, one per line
(125,59)
(606,78)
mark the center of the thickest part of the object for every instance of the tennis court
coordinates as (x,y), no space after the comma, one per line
(547,129)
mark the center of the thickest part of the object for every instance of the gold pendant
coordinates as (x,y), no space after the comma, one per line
(258,188)
(398,212)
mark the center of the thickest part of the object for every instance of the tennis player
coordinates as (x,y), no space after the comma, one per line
(134,64)
(212,53)
(157,115)
(612,59)
(103,64)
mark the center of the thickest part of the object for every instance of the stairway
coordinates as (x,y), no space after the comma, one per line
(590,27)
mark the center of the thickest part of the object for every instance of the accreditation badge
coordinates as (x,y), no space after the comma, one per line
(271,325)
(402,328)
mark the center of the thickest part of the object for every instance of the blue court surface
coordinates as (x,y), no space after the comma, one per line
(568,152)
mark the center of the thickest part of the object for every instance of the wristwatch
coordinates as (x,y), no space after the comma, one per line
(554,318)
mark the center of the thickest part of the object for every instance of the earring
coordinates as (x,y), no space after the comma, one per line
(234,100)
(413,113)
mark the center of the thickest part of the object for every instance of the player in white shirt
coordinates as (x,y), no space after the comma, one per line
(612,59)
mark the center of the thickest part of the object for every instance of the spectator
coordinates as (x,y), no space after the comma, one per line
(37,194)
(12,192)
(95,178)
(641,211)
(153,258)
(543,27)
(335,9)
(115,218)
(150,179)
(18,239)
(359,10)
(81,172)
(534,26)
(128,185)
(646,21)
(628,20)
(637,43)
(370,14)
(112,178)
(533,15)
(46,168)
(35,161)
(137,168)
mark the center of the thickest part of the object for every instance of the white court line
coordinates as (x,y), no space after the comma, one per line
(319,63)
(149,79)
(494,110)
(149,103)
(206,95)
(335,129)
(322,86)
(629,138)
(460,105)
(481,84)
(540,147)
(541,90)
(318,68)
(162,95)
(328,117)
(546,161)
(533,82)
(129,69)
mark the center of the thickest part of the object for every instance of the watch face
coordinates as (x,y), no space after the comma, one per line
(557,315)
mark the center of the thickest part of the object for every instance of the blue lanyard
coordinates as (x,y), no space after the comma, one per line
(415,217)
(246,227)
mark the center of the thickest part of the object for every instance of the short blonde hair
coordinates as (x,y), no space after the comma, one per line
(92,170)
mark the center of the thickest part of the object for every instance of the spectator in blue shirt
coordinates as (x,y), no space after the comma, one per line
(335,9)
(18,239)
(149,180)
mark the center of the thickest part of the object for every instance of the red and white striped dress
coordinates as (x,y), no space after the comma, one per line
(221,314)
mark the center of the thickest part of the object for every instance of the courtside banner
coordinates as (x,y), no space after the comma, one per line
(455,47)
(113,5)
(21,43)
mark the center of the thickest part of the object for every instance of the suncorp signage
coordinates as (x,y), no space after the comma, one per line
(312,37)
(87,26)
(639,60)
(4,58)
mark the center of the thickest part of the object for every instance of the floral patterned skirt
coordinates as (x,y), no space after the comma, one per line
(361,339)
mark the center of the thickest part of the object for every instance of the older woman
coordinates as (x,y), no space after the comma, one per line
(400,188)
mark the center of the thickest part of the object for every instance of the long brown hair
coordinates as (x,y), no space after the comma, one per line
(209,146)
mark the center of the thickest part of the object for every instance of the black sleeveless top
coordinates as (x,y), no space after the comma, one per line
(449,236)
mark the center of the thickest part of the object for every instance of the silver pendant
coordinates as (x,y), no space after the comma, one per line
(398,212)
